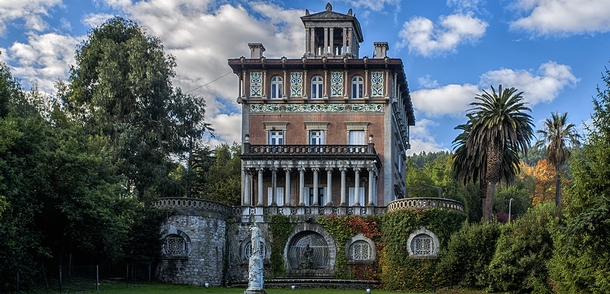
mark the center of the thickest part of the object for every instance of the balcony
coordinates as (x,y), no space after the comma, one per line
(309,152)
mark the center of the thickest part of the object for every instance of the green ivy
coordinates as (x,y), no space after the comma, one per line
(399,272)
(281,226)
(343,228)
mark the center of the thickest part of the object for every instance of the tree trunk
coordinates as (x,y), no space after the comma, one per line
(492,174)
(557,190)
(488,202)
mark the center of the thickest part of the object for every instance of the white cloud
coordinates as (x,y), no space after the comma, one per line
(421,36)
(446,100)
(202,37)
(44,59)
(563,17)
(95,20)
(421,139)
(228,127)
(28,10)
(543,86)
(426,82)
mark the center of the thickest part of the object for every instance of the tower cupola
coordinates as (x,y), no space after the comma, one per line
(331,34)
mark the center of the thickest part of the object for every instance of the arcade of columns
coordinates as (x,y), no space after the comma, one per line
(256,169)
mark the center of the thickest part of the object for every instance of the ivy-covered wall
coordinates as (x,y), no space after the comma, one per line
(398,270)
(342,228)
(280,226)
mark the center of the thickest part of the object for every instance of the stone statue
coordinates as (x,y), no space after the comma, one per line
(307,263)
(255,265)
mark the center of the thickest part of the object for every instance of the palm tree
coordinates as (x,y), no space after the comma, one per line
(558,136)
(499,127)
(469,165)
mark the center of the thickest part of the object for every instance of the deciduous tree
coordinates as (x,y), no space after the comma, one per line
(559,137)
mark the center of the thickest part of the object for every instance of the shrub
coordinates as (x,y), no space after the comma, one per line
(468,255)
(399,271)
(523,251)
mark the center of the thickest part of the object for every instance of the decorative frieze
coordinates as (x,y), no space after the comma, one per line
(316,108)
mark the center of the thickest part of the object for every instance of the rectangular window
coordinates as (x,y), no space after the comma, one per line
(276,137)
(279,196)
(316,137)
(360,196)
(356,137)
(309,194)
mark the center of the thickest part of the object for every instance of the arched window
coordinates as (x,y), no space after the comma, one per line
(360,250)
(175,245)
(316,87)
(423,244)
(357,87)
(276,87)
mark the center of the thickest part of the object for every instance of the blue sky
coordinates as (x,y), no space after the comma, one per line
(553,50)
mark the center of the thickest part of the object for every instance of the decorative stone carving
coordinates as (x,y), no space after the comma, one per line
(255,267)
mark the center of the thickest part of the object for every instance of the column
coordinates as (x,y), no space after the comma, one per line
(371,185)
(301,186)
(366,84)
(344,48)
(273,186)
(242,91)
(307,43)
(332,41)
(246,187)
(343,181)
(349,41)
(325,41)
(315,186)
(356,186)
(260,187)
(329,186)
(325,85)
(312,44)
(287,188)
(285,86)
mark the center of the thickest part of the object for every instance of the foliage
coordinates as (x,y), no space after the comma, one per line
(522,253)
(281,226)
(559,136)
(421,159)
(498,127)
(581,261)
(342,228)
(399,272)
(520,191)
(121,88)
(222,181)
(468,254)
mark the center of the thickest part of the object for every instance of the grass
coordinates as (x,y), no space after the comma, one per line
(114,288)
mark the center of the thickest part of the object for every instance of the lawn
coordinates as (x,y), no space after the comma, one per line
(184,289)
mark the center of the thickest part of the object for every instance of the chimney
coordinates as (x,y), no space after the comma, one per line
(256,50)
(381,49)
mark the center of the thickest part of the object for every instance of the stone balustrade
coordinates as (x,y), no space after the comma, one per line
(259,212)
(309,149)
(193,203)
(425,203)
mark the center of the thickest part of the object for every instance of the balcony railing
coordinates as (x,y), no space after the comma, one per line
(309,150)
(425,203)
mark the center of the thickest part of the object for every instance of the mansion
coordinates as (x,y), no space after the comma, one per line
(325,133)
